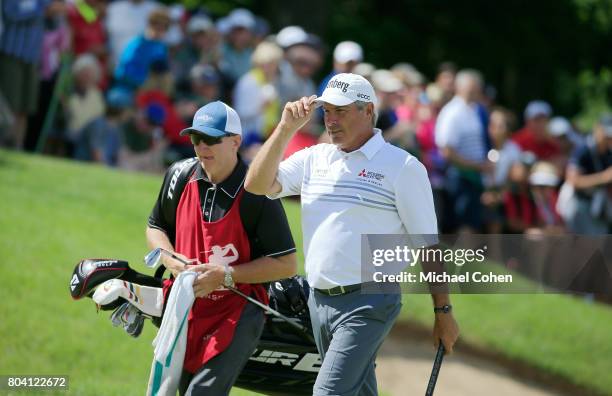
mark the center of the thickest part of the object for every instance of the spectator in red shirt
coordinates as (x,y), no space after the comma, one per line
(534,136)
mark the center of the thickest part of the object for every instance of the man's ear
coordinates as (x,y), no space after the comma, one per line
(370,110)
(236,141)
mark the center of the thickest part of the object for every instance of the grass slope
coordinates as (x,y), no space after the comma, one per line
(56,212)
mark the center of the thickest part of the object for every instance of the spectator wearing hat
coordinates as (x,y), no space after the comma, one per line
(143,142)
(459,136)
(204,88)
(125,20)
(590,174)
(387,87)
(100,139)
(560,126)
(567,139)
(347,55)
(255,97)
(144,50)
(303,58)
(534,136)
(237,50)
(199,47)
(86,101)
(544,181)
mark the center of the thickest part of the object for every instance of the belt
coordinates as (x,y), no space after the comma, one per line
(339,290)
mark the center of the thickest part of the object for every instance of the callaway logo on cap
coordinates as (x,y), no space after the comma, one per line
(215,119)
(346,88)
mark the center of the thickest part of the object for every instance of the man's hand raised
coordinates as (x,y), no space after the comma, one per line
(297,114)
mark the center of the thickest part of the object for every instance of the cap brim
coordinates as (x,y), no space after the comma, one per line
(203,131)
(336,100)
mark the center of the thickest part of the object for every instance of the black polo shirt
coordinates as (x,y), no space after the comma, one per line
(264,220)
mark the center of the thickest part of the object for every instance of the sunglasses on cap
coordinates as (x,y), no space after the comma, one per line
(197,138)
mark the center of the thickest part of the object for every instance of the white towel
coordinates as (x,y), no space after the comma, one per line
(171,339)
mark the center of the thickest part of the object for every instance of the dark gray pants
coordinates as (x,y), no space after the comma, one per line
(349,330)
(218,375)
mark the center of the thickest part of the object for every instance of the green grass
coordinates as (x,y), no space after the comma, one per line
(57,212)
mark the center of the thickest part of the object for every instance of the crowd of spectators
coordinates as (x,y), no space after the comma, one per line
(115,81)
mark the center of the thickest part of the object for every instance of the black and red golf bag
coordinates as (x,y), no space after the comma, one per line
(286,361)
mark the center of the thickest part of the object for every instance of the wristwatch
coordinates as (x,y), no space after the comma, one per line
(228,280)
(444,309)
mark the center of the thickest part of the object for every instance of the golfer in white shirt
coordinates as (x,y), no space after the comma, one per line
(357,185)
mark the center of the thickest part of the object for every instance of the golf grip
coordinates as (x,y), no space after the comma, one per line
(435,370)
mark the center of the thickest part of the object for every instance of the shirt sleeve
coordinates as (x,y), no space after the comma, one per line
(445,132)
(163,215)
(415,205)
(158,217)
(291,174)
(272,231)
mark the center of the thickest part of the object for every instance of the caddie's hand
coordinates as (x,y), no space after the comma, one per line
(210,278)
(445,329)
(174,265)
(297,114)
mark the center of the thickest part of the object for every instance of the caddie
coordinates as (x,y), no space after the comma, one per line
(233,237)
(358,184)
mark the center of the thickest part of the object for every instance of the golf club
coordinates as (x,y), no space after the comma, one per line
(435,370)
(152,260)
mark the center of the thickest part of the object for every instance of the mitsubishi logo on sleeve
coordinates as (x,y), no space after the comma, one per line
(362,173)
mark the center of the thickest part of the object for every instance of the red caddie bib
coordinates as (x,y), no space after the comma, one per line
(213,319)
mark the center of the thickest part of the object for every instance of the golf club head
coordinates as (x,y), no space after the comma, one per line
(153,258)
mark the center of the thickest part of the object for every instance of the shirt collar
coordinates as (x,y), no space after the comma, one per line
(373,145)
(232,184)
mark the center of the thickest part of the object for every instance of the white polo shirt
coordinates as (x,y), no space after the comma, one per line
(377,189)
(459,127)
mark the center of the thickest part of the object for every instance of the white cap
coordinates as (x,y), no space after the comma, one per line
(537,108)
(385,81)
(199,23)
(291,35)
(544,174)
(348,51)
(241,17)
(364,69)
(346,88)
(559,126)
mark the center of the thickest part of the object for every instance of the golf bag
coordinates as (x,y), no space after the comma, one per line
(285,362)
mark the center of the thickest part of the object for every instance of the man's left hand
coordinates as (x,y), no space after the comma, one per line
(211,277)
(445,329)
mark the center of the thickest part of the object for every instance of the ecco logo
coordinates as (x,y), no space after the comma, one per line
(363,96)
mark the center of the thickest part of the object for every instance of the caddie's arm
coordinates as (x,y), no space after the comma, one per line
(261,176)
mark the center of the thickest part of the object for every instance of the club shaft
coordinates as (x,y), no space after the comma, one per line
(251,299)
(435,370)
